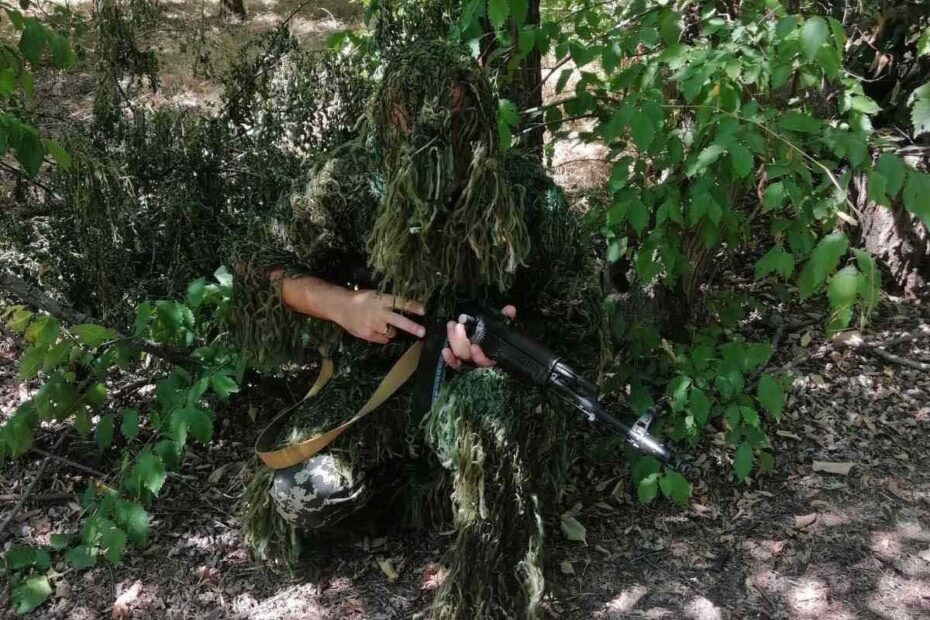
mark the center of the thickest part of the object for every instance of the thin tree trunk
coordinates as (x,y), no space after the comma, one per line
(233,10)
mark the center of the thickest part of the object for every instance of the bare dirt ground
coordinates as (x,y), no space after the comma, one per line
(796,543)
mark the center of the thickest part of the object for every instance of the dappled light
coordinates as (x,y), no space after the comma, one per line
(711,219)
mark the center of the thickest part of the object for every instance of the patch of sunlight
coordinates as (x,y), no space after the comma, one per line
(894,595)
(299,601)
(808,598)
(701,608)
(625,601)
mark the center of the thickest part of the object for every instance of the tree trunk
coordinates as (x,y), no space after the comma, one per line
(524,86)
(897,239)
(232,10)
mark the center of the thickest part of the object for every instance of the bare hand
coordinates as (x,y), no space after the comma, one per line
(371,316)
(461,350)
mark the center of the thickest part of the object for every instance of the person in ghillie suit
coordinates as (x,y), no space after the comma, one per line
(389,233)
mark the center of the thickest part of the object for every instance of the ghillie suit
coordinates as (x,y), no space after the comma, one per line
(421,204)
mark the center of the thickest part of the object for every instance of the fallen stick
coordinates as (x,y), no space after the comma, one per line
(854,340)
(40,498)
(32,485)
(67,461)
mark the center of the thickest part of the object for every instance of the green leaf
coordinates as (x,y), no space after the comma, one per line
(648,488)
(876,188)
(129,426)
(30,594)
(750,416)
(43,331)
(799,122)
(16,18)
(82,421)
(62,55)
(31,361)
(699,405)
(114,542)
(771,395)
(56,355)
(80,557)
(195,292)
(786,26)
(843,287)
(893,170)
(29,150)
(741,160)
(572,529)
(223,276)
(814,34)
(223,385)
(60,154)
(498,11)
(638,216)
(32,41)
(823,261)
(198,421)
(742,461)
(133,518)
(917,195)
(870,283)
(59,541)
(776,260)
(644,132)
(518,10)
(25,556)
(863,104)
(923,43)
(104,431)
(675,487)
(92,335)
(678,391)
(705,158)
(582,53)
(148,472)
(920,109)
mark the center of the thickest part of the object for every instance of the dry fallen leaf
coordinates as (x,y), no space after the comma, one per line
(573,530)
(218,473)
(802,521)
(122,607)
(387,568)
(567,568)
(828,467)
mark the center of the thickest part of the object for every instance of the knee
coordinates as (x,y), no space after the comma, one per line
(318,492)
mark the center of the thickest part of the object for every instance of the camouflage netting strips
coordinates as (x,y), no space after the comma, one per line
(381,200)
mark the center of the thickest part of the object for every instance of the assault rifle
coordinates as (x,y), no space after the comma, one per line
(520,355)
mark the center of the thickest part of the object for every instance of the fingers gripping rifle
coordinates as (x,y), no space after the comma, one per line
(530,360)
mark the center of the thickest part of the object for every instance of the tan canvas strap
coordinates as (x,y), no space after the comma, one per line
(291,455)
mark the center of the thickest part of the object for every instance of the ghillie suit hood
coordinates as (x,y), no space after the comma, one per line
(448,220)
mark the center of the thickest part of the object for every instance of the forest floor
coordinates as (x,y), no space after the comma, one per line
(799,542)
(849,542)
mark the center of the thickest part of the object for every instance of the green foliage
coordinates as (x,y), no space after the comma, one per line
(74,366)
(36,43)
(701,112)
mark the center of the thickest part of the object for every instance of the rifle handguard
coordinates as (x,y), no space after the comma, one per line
(530,360)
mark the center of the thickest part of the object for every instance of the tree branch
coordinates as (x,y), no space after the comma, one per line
(32,296)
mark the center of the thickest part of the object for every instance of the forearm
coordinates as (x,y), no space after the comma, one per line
(313,296)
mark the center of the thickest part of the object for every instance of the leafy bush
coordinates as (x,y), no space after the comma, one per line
(74,366)
(724,128)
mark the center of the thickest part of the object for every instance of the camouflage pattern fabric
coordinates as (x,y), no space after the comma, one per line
(493,446)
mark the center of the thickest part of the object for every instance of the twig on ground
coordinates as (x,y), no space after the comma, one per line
(69,462)
(40,498)
(32,485)
(854,341)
